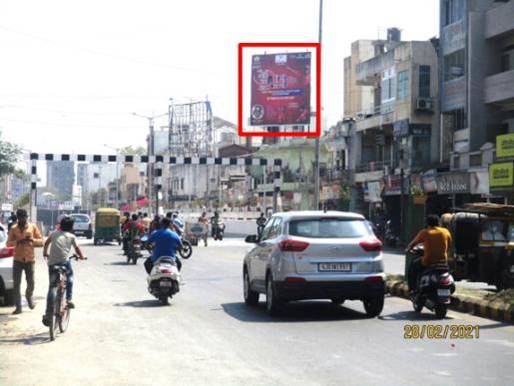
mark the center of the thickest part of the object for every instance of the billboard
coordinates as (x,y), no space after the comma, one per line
(505,145)
(281,89)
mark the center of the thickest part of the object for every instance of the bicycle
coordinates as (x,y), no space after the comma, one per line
(60,317)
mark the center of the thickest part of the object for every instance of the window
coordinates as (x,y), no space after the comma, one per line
(276,228)
(456,120)
(453,11)
(424,81)
(182,183)
(456,162)
(266,232)
(329,228)
(454,65)
(507,60)
(475,160)
(403,85)
(388,85)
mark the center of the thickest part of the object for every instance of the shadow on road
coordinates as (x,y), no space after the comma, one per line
(305,311)
(149,303)
(118,263)
(40,338)
(411,316)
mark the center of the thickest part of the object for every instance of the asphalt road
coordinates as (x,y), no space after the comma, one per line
(120,335)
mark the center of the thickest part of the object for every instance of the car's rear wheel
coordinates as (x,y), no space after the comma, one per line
(274,304)
(373,305)
(251,297)
(338,300)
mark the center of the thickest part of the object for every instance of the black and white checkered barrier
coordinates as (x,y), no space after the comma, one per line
(158,161)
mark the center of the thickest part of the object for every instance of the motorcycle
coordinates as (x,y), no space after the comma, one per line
(218,230)
(187,248)
(134,250)
(434,287)
(164,279)
(390,237)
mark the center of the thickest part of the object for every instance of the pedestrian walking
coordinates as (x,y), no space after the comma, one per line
(24,236)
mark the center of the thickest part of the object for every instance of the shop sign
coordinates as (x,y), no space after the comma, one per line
(453,183)
(429,181)
(401,128)
(505,145)
(479,182)
(501,174)
(393,185)
(7,207)
(373,191)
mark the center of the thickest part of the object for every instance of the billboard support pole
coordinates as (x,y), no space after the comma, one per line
(317,144)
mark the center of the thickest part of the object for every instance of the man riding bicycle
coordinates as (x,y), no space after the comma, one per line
(60,243)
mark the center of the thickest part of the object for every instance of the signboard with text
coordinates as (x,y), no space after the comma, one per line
(501,174)
(281,89)
(453,183)
(505,145)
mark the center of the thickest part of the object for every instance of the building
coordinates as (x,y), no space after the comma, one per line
(60,176)
(391,93)
(477,94)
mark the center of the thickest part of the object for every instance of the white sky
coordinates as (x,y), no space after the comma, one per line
(71,73)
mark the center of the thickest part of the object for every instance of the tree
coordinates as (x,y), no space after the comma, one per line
(9,153)
(131,150)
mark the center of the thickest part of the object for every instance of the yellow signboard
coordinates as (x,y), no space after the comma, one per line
(505,145)
(501,174)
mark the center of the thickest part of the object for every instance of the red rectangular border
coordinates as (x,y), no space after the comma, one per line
(317,133)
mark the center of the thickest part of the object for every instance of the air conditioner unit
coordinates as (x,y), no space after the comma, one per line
(426,104)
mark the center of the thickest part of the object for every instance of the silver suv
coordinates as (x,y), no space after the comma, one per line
(315,255)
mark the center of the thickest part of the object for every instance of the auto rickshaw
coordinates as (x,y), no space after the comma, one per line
(483,243)
(107,225)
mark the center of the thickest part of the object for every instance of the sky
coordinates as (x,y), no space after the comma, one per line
(72,73)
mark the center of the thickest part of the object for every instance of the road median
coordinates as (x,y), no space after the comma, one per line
(492,305)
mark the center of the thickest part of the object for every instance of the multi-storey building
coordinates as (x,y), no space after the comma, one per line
(60,176)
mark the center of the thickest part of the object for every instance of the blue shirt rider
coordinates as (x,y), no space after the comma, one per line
(165,243)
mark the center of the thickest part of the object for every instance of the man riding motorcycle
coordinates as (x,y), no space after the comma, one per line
(216,223)
(131,230)
(436,242)
(165,243)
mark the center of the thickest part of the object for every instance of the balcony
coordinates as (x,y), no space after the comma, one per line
(366,71)
(499,87)
(500,20)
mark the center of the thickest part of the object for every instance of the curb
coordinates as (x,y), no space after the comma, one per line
(483,308)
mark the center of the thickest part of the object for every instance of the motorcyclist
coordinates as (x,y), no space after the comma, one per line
(124,221)
(216,221)
(261,222)
(177,224)
(133,228)
(165,243)
(436,242)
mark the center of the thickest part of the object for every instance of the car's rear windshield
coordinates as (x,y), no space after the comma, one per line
(80,219)
(331,228)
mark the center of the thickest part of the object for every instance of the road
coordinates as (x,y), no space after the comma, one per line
(120,335)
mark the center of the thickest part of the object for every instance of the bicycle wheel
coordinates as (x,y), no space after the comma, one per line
(64,320)
(54,317)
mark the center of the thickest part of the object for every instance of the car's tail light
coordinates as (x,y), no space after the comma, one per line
(374,279)
(371,245)
(295,280)
(6,252)
(293,245)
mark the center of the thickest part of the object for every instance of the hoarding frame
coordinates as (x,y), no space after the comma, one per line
(241,132)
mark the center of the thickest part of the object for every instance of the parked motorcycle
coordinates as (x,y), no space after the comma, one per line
(434,287)
(164,279)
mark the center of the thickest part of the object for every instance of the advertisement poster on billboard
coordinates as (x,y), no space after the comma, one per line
(281,89)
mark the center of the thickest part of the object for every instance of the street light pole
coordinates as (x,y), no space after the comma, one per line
(151,152)
(317,144)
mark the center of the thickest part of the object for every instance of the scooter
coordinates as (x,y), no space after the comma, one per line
(164,279)
(218,230)
(434,287)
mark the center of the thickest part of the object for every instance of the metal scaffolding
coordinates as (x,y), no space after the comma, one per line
(191,129)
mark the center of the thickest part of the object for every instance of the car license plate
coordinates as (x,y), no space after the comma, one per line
(165,283)
(335,267)
(443,292)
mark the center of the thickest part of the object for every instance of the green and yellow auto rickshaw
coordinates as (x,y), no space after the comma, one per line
(107,225)
(483,243)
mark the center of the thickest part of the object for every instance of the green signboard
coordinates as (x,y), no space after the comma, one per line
(505,145)
(501,174)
